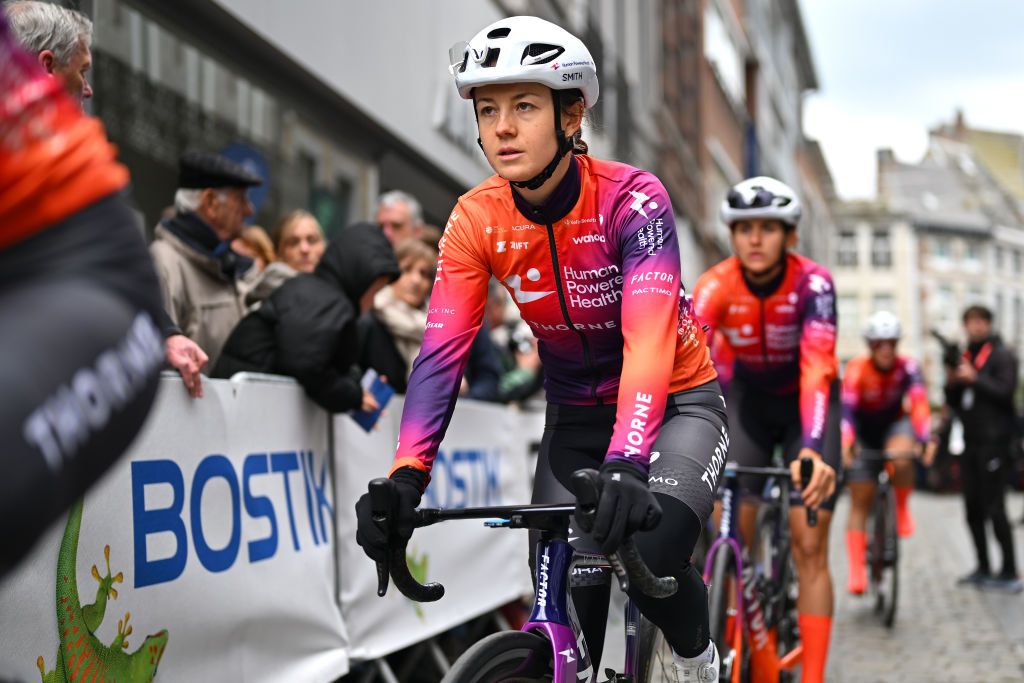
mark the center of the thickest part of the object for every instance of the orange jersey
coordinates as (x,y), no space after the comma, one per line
(780,341)
(874,400)
(595,274)
(54,160)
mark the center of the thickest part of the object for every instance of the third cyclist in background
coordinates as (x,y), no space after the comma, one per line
(885,407)
(771,316)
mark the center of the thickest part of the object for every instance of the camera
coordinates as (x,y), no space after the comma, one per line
(951,353)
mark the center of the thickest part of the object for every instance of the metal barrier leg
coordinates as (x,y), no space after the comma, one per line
(385,671)
(438,656)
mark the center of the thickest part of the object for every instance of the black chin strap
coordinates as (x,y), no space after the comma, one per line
(564,147)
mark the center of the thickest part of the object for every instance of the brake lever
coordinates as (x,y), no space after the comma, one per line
(381,495)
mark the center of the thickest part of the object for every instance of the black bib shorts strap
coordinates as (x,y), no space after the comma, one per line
(759,421)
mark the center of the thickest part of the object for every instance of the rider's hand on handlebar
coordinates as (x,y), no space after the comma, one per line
(928,454)
(625,505)
(375,540)
(823,479)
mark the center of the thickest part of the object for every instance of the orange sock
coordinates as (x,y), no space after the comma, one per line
(904,521)
(814,634)
(856,548)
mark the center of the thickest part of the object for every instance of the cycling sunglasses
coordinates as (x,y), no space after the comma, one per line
(761,199)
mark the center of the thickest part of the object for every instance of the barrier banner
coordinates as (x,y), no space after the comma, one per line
(483,461)
(206,554)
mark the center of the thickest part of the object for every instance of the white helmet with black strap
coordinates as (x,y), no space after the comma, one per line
(761,198)
(528,50)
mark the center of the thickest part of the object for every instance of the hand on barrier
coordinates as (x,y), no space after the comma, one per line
(386,513)
(625,505)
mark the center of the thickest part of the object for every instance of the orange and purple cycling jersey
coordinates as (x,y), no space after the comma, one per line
(780,339)
(873,400)
(48,148)
(595,273)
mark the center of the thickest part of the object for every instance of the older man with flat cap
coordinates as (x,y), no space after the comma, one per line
(203,281)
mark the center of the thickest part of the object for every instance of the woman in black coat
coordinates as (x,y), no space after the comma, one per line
(306,329)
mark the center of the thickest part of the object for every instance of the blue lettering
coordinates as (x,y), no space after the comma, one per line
(259,506)
(215,560)
(458,482)
(145,522)
(285,463)
(319,494)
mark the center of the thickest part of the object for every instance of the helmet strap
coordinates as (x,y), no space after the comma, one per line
(564,147)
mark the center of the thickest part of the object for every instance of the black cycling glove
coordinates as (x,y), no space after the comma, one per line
(408,490)
(625,506)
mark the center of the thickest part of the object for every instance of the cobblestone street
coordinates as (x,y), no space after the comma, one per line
(942,632)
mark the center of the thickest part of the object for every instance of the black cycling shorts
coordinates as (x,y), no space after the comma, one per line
(686,459)
(759,421)
(867,469)
(80,356)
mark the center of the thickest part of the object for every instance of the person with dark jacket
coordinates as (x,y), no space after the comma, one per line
(306,329)
(979,391)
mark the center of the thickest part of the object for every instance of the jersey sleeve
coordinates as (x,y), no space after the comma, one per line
(850,397)
(917,396)
(454,318)
(817,356)
(650,313)
(709,297)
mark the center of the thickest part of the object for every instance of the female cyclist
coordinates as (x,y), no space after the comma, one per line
(771,316)
(885,406)
(588,251)
(78,303)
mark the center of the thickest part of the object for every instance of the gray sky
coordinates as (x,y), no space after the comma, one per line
(891,69)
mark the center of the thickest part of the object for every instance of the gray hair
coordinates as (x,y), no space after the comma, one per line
(398,197)
(188,199)
(42,26)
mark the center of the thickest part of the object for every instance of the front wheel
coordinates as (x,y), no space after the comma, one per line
(506,657)
(884,567)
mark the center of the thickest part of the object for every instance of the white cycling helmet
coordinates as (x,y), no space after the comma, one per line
(528,49)
(882,325)
(525,49)
(761,198)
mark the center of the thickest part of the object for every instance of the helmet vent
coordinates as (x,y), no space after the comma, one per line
(501,32)
(492,57)
(541,53)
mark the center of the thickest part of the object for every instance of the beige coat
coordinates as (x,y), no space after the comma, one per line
(200,299)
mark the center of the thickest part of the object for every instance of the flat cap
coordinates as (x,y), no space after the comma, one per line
(200,170)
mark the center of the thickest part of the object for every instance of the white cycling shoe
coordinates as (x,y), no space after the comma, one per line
(700,669)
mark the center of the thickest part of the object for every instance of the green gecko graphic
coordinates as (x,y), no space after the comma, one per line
(418,570)
(81,657)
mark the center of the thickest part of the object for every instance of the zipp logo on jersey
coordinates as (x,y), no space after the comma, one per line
(515,283)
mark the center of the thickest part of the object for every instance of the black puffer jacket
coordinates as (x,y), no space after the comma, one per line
(307,328)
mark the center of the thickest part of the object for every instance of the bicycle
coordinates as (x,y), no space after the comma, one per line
(762,611)
(883,544)
(550,647)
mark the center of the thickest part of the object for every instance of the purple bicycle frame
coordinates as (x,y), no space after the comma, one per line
(554,616)
(727,534)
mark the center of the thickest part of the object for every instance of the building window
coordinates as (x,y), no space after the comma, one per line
(975,296)
(941,248)
(848,311)
(847,248)
(1016,261)
(972,255)
(999,258)
(881,249)
(883,302)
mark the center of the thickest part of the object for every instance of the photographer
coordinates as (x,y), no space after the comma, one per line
(979,391)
